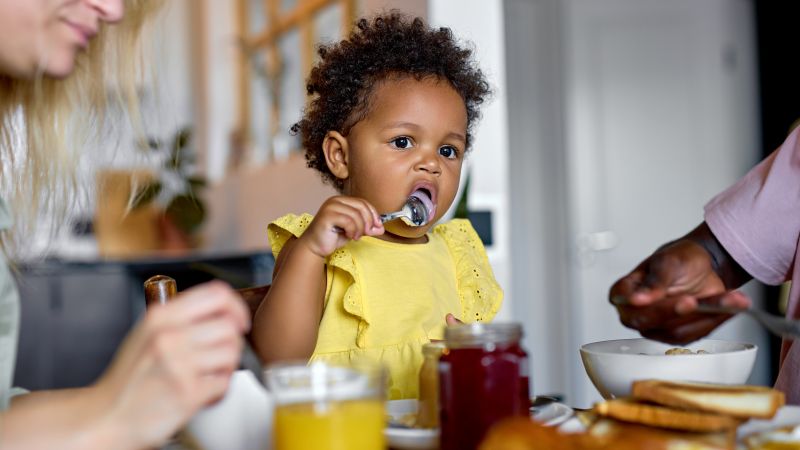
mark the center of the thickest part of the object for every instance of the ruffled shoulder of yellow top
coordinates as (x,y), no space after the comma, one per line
(479,292)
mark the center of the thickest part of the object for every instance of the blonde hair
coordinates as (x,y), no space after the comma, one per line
(45,122)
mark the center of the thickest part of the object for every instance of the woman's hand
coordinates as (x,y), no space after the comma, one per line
(658,298)
(177,360)
(339,220)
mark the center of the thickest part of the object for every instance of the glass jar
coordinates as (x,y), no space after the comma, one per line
(428,411)
(483,377)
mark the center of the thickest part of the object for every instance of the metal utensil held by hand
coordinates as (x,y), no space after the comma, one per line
(413,213)
(775,324)
(778,325)
(159,289)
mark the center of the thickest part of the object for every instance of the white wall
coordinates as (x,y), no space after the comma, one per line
(481,22)
(561,300)
(219,61)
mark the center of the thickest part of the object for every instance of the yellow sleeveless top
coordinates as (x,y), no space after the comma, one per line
(384,300)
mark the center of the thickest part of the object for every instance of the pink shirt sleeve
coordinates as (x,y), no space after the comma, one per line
(757,219)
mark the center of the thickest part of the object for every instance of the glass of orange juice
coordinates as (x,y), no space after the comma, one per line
(326,407)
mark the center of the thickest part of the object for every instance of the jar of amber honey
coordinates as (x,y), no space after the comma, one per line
(428,412)
(483,377)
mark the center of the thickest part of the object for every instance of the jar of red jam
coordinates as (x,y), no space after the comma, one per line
(483,377)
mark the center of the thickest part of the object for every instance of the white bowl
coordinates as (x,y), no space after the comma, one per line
(614,365)
(242,420)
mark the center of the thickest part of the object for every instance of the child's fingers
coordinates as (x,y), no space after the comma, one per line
(340,214)
(367,215)
(365,212)
(372,220)
(376,217)
(350,224)
(451,320)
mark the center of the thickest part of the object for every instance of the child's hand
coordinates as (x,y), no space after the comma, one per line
(451,320)
(339,220)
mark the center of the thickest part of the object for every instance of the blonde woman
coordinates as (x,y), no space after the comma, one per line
(53,55)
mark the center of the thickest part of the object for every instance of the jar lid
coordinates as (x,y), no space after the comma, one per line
(433,348)
(482,333)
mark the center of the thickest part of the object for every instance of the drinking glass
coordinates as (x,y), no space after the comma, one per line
(327,407)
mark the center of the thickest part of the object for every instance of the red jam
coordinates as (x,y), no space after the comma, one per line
(483,378)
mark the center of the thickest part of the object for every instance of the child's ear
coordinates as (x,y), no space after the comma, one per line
(335,148)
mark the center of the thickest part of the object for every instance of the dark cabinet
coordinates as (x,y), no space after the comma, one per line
(74,315)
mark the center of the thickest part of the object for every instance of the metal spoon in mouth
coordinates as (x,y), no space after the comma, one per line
(414,213)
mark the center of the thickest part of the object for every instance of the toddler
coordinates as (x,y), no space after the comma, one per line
(393,109)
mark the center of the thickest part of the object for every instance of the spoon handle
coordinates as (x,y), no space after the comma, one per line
(391,216)
(384,218)
(159,289)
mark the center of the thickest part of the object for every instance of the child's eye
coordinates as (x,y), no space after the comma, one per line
(401,142)
(448,152)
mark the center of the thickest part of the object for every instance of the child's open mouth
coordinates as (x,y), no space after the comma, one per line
(424,196)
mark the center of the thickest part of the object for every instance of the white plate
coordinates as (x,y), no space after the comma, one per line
(553,414)
(788,415)
(421,439)
(408,438)
(412,438)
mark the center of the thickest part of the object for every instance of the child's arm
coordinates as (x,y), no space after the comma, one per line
(286,324)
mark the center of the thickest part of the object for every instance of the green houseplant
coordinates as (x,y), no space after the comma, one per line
(175,189)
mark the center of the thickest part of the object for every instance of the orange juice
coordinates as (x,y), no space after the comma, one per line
(332,425)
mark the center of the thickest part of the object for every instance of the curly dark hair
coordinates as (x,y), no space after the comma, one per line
(388,46)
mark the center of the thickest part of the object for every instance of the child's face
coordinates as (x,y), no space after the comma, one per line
(413,137)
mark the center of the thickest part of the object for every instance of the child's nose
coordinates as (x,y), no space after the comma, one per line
(429,162)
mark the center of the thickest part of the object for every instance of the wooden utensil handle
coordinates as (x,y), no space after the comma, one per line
(159,289)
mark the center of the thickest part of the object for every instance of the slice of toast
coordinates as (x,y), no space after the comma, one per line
(665,417)
(744,402)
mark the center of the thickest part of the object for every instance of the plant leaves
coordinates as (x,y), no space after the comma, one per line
(179,153)
(147,194)
(196,182)
(148,144)
(187,211)
(462,208)
(182,138)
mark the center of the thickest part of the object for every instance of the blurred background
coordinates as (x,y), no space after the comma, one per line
(613,122)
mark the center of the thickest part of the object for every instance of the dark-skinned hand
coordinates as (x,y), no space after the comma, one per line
(659,297)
